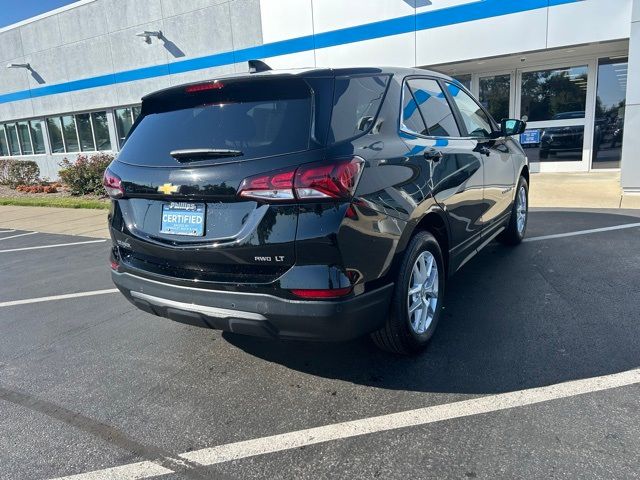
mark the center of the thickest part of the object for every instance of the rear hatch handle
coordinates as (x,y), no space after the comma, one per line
(194,154)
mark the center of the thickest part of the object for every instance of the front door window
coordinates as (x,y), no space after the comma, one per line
(609,117)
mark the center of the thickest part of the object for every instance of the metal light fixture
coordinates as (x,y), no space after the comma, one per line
(19,65)
(146,35)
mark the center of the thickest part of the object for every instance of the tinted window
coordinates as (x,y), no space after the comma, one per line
(69,133)
(411,118)
(475,120)
(37,136)
(434,107)
(551,94)
(25,138)
(101,130)
(4,148)
(12,137)
(610,107)
(356,102)
(495,93)
(84,130)
(258,120)
(55,135)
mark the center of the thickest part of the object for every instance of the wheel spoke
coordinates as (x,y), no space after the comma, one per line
(415,289)
(416,305)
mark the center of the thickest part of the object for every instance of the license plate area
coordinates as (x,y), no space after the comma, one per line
(183,218)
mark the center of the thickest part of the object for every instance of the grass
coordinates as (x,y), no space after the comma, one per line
(64,202)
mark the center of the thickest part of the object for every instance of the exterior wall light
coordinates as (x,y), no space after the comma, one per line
(146,35)
(19,65)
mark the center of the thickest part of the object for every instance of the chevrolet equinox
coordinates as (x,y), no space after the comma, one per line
(320,204)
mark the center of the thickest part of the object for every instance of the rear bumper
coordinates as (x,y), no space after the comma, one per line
(259,314)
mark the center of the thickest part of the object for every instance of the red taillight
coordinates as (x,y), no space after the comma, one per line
(112,184)
(204,86)
(114,265)
(272,186)
(315,181)
(317,293)
(333,180)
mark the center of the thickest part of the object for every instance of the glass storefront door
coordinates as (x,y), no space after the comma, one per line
(609,115)
(554,103)
(494,92)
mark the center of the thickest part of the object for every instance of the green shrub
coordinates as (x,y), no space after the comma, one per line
(19,172)
(84,176)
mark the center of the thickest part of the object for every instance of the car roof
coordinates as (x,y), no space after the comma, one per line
(309,73)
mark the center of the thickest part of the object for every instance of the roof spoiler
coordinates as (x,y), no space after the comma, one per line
(258,66)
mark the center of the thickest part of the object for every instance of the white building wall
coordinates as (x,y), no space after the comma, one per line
(630,168)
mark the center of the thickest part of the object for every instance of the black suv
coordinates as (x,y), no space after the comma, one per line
(318,204)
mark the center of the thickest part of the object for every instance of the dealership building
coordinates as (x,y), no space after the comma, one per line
(71,79)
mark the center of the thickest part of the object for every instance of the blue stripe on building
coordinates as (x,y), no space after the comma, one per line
(479,10)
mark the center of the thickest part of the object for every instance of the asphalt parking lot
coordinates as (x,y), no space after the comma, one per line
(90,386)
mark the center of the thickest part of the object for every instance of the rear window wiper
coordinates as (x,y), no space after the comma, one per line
(194,154)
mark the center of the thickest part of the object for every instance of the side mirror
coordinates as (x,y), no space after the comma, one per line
(511,126)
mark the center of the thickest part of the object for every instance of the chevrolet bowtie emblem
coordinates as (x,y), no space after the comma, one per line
(168,188)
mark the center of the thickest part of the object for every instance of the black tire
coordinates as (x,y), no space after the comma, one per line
(397,336)
(512,235)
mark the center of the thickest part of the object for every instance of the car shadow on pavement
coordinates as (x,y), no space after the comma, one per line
(538,314)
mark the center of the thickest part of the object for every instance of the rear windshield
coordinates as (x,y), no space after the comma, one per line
(257,118)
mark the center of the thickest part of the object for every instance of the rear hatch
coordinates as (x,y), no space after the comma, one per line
(184,160)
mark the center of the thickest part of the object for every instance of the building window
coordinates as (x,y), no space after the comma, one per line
(70,134)
(556,94)
(12,139)
(465,80)
(495,92)
(83,132)
(101,130)
(25,138)
(124,120)
(4,147)
(55,135)
(37,137)
(611,95)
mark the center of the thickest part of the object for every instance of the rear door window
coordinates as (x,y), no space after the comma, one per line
(434,107)
(411,118)
(259,119)
(475,119)
(356,103)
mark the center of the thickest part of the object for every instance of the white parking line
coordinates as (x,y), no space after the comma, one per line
(65,296)
(582,232)
(50,246)
(16,236)
(393,421)
(7,231)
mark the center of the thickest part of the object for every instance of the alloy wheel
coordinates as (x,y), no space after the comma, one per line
(422,297)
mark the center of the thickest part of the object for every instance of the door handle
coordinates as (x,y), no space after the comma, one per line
(433,155)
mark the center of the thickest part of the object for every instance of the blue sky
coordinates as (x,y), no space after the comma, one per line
(12,11)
